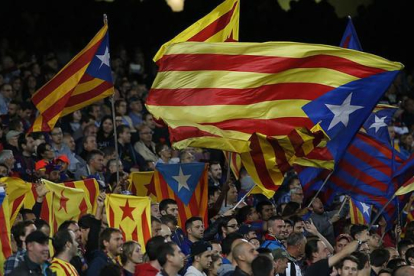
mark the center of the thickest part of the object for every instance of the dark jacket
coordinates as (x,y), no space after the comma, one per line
(99,261)
(29,268)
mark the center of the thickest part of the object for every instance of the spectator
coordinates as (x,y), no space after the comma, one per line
(280,260)
(216,262)
(130,257)
(276,233)
(93,168)
(165,154)
(244,254)
(201,258)
(295,245)
(195,232)
(166,232)
(152,249)
(6,95)
(379,259)
(145,146)
(131,159)
(105,136)
(66,247)
(214,174)
(170,258)
(263,266)
(155,226)
(348,266)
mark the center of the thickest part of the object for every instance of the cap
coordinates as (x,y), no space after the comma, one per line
(279,253)
(63,158)
(11,134)
(344,236)
(200,247)
(41,165)
(37,236)
(245,229)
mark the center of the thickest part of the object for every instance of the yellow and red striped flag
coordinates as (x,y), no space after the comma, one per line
(63,203)
(17,190)
(85,79)
(220,25)
(235,162)
(5,234)
(142,184)
(359,212)
(130,214)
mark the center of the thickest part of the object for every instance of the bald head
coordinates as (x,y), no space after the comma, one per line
(245,252)
(404,271)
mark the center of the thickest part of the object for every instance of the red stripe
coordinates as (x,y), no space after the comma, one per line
(215,26)
(297,142)
(346,42)
(184,132)
(92,188)
(67,272)
(56,108)
(204,194)
(181,211)
(193,204)
(134,234)
(122,231)
(379,147)
(93,93)
(145,228)
(163,186)
(44,214)
(339,182)
(16,204)
(263,64)
(368,158)
(355,211)
(72,68)
(83,207)
(279,152)
(362,176)
(111,217)
(70,184)
(233,96)
(86,78)
(4,236)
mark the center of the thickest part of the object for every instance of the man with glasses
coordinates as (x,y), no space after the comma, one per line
(58,147)
(145,146)
(228,226)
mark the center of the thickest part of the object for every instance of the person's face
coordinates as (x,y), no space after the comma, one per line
(340,245)
(299,227)
(97,162)
(318,206)
(172,209)
(255,243)
(155,210)
(145,135)
(74,245)
(45,229)
(91,130)
(137,255)
(196,230)
(165,232)
(215,196)
(39,252)
(54,176)
(10,161)
(165,152)
(3,171)
(125,136)
(96,112)
(27,230)
(12,109)
(136,106)
(232,226)
(70,142)
(348,269)
(216,248)
(76,231)
(249,253)
(253,215)
(113,167)
(7,91)
(188,157)
(155,228)
(374,241)
(323,251)
(205,260)
(77,115)
(393,253)
(297,195)
(114,245)
(30,145)
(25,114)
(215,171)
(214,267)
(57,135)
(149,121)
(266,212)
(90,143)
(121,108)
(13,141)
(281,265)
(232,194)
(251,235)
(289,229)
(177,260)
(107,126)
(278,229)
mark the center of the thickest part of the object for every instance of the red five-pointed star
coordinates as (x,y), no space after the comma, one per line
(127,211)
(63,201)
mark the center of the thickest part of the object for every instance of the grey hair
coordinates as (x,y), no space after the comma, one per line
(295,239)
(5,154)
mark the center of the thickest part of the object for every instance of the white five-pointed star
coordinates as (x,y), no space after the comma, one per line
(365,208)
(379,123)
(181,178)
(342,112)
(104,58)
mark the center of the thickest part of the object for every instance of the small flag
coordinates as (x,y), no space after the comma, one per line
(360,212)
(17,189)
(350,38)
(142,184)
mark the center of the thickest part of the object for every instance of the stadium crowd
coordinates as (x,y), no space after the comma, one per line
(257,237)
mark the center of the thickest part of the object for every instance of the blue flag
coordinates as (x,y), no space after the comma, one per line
(377,123)
(2,195)
(350,38)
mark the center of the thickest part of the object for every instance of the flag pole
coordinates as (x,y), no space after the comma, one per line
(320,189)
(242,199)
(381,211)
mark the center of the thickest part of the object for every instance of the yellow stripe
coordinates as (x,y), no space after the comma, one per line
(282,49)
(87,86)
(406,188)
(262,110)
(244,80)
(61,90)
(306,162)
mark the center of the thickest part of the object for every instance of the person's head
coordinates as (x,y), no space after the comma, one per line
(296,195)
(317,206)
(228,225)
(341,241)
(7,158)
(171,221)
(379,258)
(169,207)
(216,262)
(394,263)
(364,265)
(43,226)
(152,247)
(265,209)
(135,104)
(69,141)
(27,214)
(121,107)
(404,270)
(6,90)
(149,120)
(393,253)
(228,241)
(37,246)
(64,242)
(155,210)
(348,266)
(155,226)
(255,242)
(276,226)
(213,194)
(4,170)
(374,241)
(296,243)
(94,111)
(163,151)
(359,230)
(26,143)
(111,241)
(316,250)
(186,157)
(112,167)
(214,171)
(384,272)
(131,252)
(247,231)
(44,151)
(165,232)
(280,260)
(298,224)
(94,159)
(124,134)
(57,135)
(21,230)
(263,266)
(195,228)
(170,255)
(107,126)
(89,143)
(409,256)
(74,227)
(403,246)
(246,214)
(145,134)
(244,253)
(201,252)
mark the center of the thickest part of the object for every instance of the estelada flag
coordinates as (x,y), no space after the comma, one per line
(130,214)
(235,162)
(17,190)
(142,184)
(220,25)
(350,38)
(5,235)
(63,203)
(187,184)
(85,79)
(359,212)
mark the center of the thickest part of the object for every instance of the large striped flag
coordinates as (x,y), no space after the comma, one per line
(404,177)
(350,38)
(17,190)
(63,203)
(359,212)
(5,234)
(130,214)
(85,79)
(221,24)
(142,184)
(185,183)
(217,95)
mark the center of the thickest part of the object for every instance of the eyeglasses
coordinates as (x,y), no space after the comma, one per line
(233,226)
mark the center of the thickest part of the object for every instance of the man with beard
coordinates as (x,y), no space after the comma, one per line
(201,256)
(66,247)
(195,232)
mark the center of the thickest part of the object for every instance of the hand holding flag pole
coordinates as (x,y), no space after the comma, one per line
(242,199)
